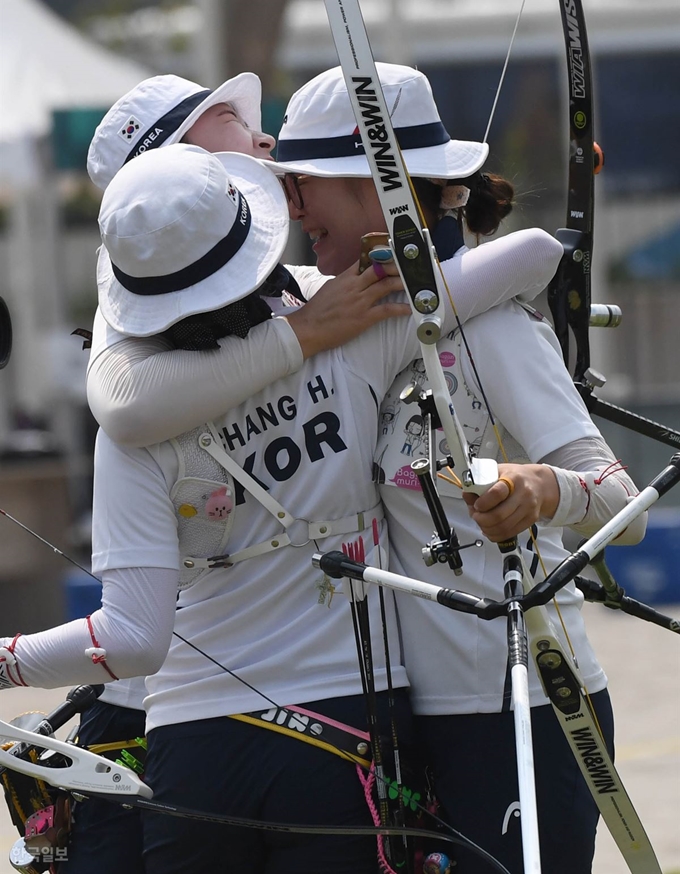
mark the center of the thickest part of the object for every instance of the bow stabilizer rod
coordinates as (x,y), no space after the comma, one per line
(590,549)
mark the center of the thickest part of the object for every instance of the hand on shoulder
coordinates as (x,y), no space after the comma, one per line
(345,307)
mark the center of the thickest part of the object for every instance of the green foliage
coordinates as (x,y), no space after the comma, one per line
(81,205)
(76,10)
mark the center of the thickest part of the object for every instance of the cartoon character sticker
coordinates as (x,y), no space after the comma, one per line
(387,419)
(219,504)
(414,435)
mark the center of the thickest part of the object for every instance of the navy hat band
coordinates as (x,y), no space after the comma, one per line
(159,132)
(208,264)
(419,136)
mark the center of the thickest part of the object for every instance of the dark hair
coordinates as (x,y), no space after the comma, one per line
(490,200)
(201,331)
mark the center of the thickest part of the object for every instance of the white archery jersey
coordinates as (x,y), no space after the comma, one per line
(130,693)
(132,383)
(456,663)
(277,622)
(131,399)
(125,693)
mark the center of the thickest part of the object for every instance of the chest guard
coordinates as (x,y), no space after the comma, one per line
(203,497)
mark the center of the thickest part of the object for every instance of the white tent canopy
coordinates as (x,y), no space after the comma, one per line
(46,64)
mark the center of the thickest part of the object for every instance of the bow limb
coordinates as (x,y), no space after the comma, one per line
(87,772)
(409,238)
(569,291)
(295,828)
(94,776)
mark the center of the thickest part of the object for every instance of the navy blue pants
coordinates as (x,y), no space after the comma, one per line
(106,838)
(475,777)
(225,766)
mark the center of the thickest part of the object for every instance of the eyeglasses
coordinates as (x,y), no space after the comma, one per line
(292,188)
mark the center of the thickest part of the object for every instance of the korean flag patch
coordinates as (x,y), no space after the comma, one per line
(130,129)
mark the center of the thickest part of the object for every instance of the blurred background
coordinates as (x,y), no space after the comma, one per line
(64,62)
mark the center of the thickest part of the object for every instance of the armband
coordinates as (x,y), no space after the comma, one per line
(10,674)
(96,652)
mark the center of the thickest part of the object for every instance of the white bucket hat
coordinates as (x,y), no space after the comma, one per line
(320,137)
(215,239)
(158,112)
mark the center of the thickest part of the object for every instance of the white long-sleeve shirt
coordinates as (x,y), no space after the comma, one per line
(456,663)
(133,383)
(134,376)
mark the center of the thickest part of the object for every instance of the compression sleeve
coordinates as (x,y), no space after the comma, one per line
(593,488)
(516,265)
(520,264)
(142,391)
(134,626)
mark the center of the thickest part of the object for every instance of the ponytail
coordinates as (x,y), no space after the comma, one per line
(483,200)
(489,202)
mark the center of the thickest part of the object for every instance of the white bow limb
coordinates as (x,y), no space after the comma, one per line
(86,773)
